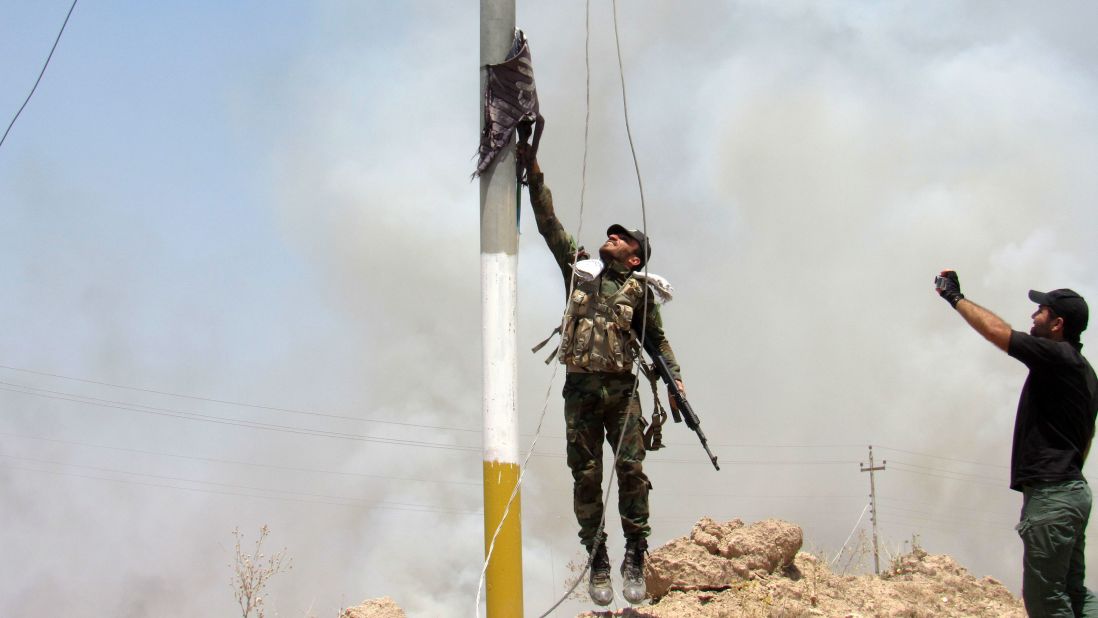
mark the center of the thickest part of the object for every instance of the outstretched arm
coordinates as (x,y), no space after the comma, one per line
(560,242)
(990,326)
(983,321)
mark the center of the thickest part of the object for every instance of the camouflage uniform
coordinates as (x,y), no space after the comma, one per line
(599,405)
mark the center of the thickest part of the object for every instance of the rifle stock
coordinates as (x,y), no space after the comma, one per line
(682,406)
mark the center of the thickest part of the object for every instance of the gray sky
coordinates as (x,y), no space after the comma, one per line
(242,281)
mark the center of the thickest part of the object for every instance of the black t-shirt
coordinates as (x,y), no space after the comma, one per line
(1056,411)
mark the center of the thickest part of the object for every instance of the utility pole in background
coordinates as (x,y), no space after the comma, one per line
(498,277)
(873,506)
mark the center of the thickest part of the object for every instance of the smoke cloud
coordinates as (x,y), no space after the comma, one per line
(266,272)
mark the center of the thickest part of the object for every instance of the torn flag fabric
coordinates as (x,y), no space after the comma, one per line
(510,98)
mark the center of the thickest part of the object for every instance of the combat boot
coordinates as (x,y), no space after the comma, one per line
(632,570)
(602,593)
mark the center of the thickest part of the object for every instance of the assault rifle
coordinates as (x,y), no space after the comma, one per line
(680,404)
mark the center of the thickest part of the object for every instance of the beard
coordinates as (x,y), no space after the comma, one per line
(1040,331)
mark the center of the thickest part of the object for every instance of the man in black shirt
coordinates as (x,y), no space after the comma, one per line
(1052,435)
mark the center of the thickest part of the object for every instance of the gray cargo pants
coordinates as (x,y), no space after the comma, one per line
(1053,530)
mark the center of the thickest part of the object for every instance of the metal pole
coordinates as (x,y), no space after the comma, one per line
(499,274)
(873,507)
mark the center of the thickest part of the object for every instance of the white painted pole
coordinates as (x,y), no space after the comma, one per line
(499,274)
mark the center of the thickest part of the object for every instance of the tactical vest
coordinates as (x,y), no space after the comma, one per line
(596,333)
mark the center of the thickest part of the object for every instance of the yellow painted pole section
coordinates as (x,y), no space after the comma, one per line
(503,587)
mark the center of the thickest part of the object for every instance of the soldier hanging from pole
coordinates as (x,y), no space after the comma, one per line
(611,306)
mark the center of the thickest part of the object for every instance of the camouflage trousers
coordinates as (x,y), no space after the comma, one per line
(598,406)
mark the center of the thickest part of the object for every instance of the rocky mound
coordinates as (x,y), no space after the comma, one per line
(728,569)
(758,570)
(383,607)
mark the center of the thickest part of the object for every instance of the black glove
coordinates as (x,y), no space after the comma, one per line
(949,287)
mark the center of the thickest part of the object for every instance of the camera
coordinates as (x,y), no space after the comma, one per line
(946,281)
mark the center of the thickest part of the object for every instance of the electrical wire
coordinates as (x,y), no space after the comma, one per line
(514,493)
(160,477)
(321,499)
(967,461)
(997,479)
(238,462)
(998,485)
(951,528)
(234,422)
(851,535)
(238,403)
(887,499)
(644,312)
(323,414)
(207,418)
(571,288)
(932,516)
(40,73)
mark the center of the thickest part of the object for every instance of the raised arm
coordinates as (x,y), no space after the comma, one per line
(990,326)
(560,242)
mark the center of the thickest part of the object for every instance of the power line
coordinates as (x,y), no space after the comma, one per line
(738,495)
(950,475)
(965,461)
(40,73)
(930,469)
(187,415)
(887,499)
(348,502)
(178,479)
(235,403)
(931,515)
(323,414)
(949,478)
(195,416)
(234,422)
(918,523)
(239,463)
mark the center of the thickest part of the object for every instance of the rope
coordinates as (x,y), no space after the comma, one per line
(571,288)
(629,134)
(851,535)
(552,378)
(514,492)
(644,312)
(40,73)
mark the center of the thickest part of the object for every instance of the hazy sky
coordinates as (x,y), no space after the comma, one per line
(242,280)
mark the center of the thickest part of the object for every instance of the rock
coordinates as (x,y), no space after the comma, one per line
(717,554)
(383,607)
(725,569)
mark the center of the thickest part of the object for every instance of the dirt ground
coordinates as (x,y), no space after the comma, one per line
(690,579)
(735,570)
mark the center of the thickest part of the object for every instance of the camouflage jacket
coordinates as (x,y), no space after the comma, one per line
(614,276)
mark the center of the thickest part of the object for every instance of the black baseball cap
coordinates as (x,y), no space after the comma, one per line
(1066,304)
(636,235)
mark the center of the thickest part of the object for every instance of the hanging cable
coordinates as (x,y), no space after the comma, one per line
(514,493)
(40,74)
(644,311)
(851,535)
(628,130)
(552,377)
(571,286)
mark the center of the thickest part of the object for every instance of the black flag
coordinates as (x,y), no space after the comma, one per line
(510,98)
